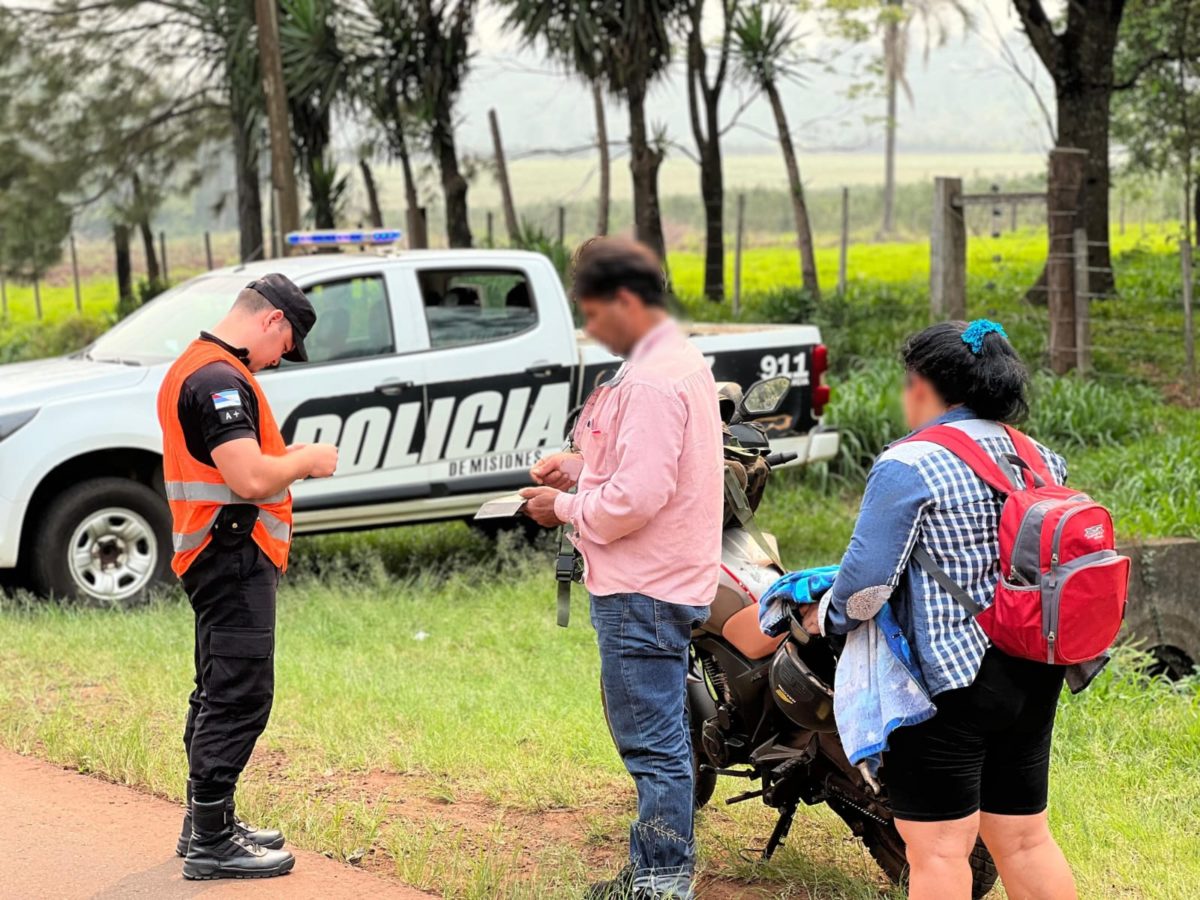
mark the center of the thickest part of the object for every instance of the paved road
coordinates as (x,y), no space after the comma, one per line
(64,836)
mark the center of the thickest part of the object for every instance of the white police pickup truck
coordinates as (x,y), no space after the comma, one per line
(440,375)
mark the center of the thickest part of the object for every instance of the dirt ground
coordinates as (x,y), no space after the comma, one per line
(66,836)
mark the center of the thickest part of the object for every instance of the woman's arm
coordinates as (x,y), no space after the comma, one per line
(889,522)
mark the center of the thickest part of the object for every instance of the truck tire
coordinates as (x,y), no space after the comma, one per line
(106,541)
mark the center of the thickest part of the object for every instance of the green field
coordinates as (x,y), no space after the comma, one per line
(434,725)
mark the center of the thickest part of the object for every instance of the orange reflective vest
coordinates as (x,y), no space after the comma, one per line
(195,491)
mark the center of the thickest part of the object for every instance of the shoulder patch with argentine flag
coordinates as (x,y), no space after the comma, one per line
(226,399)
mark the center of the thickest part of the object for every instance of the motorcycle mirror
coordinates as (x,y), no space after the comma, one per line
(765,397)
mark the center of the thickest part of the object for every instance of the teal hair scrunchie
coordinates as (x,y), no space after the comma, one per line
(978,330)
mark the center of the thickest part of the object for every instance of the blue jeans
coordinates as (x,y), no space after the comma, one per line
(643,670)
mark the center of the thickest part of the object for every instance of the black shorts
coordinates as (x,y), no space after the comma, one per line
(988,747)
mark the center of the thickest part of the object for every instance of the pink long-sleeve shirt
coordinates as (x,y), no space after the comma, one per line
(648,508)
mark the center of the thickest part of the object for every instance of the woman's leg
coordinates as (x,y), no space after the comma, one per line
(939,857)
(1031,864)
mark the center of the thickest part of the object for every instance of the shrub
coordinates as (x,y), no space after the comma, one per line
(36,340)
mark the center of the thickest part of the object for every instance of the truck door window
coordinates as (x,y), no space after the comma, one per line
(475,306)
(353,321)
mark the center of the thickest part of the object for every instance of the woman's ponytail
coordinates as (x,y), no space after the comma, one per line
(973,365)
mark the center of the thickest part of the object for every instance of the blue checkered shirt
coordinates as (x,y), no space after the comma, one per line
(920,492)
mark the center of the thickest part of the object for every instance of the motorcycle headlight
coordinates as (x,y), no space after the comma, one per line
(12,422)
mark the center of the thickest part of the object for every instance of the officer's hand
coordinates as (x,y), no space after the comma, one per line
(292,448)
(539,505)
(324,460)
(558,470)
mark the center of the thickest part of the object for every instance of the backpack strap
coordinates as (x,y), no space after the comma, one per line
(922,558)
(966,449)
(1028,452)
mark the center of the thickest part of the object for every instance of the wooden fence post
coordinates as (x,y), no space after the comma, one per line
(1062,204)
(844,245)
(948,252)
(1189,335)
(491,234)
(37,290)
(1083,329)
(75,276)
(737,255)
(162,252)
(208,250)
(562,226)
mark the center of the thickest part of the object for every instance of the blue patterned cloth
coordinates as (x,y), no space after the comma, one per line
(920,492)
(805,586)
(877,689)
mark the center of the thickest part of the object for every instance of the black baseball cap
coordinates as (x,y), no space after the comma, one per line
(283,294)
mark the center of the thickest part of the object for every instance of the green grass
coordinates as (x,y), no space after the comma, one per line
(432,723)
(475,761)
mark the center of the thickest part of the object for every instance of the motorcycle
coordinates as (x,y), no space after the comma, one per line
(761,708)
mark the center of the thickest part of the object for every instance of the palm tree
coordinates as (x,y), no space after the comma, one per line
(704,101)
(630,44)
(764,45)
(896,21)
(555,36)
(316,72)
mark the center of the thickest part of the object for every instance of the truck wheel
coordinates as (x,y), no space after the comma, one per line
(105,541)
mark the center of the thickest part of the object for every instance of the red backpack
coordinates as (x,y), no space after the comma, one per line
(1062,590)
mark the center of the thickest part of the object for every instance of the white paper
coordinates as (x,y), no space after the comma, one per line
(501,507)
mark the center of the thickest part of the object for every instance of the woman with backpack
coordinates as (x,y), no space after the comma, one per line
(930,539)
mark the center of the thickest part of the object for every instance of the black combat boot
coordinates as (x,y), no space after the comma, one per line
(218,850)
(264,837)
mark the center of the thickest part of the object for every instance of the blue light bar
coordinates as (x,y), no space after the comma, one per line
(353,238)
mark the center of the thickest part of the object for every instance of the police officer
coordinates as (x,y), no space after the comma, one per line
(227,473)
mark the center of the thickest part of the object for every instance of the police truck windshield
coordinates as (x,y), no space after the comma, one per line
(161,329)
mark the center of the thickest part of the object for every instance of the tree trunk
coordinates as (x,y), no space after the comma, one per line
(703,104)
(1080,60)
(1083,122)
(454,185)
(602,145)
(249,201)
(804,239)
(891,48)
(506,198)
(124,265)
(712,190)
(374,213)
(142,219)
(320,193)
(418,235)
(1195,211)
(152,271)
(644,161)
(283,173)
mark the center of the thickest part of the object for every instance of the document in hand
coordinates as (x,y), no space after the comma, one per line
(501,507)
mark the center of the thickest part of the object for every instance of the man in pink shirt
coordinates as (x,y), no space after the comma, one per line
(647,515)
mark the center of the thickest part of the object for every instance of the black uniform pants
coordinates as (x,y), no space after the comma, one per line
(231,585)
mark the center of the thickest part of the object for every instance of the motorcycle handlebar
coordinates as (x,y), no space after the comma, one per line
(779,459)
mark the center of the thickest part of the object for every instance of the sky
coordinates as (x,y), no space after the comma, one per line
(965,97)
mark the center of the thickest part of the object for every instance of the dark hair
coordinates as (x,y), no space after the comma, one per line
(992,383)
(603,265)
(251,301)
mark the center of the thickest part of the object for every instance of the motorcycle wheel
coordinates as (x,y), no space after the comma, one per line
(887,849)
